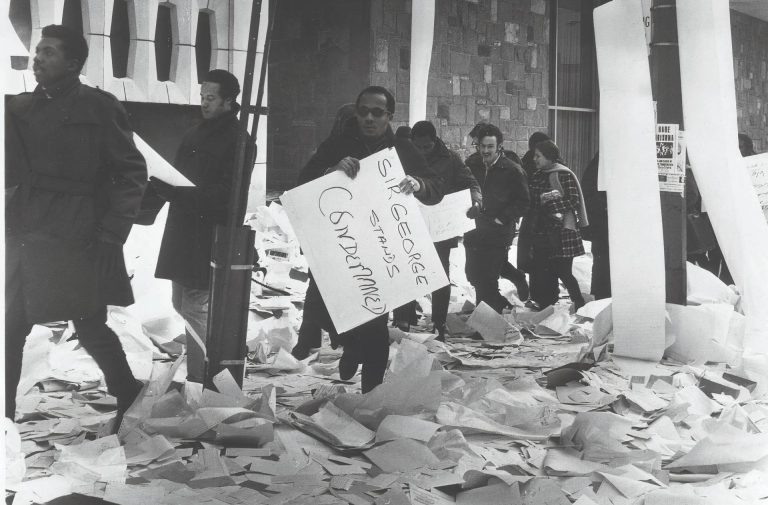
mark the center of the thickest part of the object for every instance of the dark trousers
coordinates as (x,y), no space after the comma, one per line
(557,268)
(545,290)
(601,269)
(483,267)
(440,298)
(315,319)
(367,344)
(94,335)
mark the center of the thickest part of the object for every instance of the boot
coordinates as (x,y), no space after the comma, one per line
(440,330)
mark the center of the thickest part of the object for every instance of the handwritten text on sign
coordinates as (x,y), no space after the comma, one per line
(367,245)
(758,170)
(448,218)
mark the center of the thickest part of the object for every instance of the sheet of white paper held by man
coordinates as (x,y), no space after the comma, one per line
(158,167)
(367,244)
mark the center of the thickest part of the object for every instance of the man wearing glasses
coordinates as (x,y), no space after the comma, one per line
(366,133)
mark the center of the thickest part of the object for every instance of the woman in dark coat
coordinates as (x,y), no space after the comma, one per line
(557,212)
(543,283)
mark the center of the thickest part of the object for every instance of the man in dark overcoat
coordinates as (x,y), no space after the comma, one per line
(206,157)
(79,181)
(364,134)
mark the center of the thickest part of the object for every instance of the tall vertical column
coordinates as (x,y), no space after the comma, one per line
(422,34)
(665,81)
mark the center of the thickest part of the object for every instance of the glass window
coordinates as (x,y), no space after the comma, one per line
(573,99)
(163,43)
(120,38)
(21,18)
(203,45)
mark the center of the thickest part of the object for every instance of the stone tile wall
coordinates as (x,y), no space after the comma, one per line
(750,65)
(489,63)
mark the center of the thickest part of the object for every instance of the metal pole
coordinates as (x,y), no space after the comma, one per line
(665,77)
(233,252)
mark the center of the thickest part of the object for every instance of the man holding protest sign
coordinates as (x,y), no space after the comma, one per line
(366,133)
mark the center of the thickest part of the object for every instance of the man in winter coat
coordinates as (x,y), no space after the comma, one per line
(207,158)
(366,133)
(456,177)
(79,181)
(505,200)
(514,274)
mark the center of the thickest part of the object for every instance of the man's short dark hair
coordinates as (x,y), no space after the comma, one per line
(72,42)
(476,129)
(378,90)
(229,87)
(489,130)
(424,129)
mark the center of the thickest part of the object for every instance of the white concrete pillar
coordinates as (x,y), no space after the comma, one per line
(422,34)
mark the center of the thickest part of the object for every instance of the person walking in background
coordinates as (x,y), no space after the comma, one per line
(508,270)
(206,157)
(79,182)
(543,283)
(557,212)
(504,200)
(596,203)
(456,177)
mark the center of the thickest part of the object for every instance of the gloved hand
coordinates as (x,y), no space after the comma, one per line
(163,189)
(474,211)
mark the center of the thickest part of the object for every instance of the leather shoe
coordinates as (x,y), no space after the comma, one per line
(402,325)
(440,330)
(530,304)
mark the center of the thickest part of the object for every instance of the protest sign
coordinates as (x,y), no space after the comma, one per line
(448,218)
(367,244)
(757,166)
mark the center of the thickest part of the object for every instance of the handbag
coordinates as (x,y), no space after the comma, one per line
(700,234)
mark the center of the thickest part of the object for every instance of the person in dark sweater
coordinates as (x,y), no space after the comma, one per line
(456,177)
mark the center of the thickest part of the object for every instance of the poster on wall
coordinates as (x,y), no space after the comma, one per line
(669,159)
(367,244)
